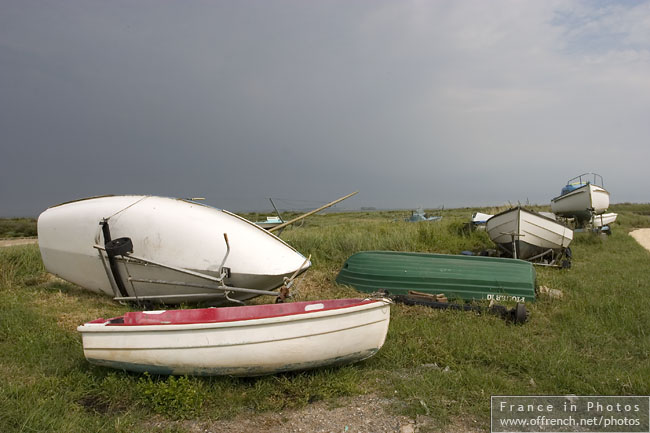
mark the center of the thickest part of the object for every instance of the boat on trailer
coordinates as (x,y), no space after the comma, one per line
(240,341)
(528,235)
(166,250)
(582,197)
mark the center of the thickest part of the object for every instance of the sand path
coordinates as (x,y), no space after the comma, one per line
(642,236)
(14,242)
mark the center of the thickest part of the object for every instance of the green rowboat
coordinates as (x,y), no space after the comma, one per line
(455,276)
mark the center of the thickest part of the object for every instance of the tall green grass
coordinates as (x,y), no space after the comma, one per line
(331,244)
(17,227)
(441,364)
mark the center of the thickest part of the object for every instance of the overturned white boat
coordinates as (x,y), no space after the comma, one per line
(528,235)
(582,197)
(167,250)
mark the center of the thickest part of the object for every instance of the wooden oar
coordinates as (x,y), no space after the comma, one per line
(278,227)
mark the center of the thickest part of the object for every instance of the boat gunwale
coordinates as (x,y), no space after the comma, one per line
(141,197)
(478,259)
(221,344)
(535,214)
(580,190)
(106,326)
(520,208)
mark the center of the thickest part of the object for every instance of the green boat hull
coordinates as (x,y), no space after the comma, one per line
(457,277)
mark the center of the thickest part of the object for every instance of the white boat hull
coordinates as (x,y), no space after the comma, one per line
(319,334)
(480,217)
(174,232)
(604,219)
(527,233)
(582,202)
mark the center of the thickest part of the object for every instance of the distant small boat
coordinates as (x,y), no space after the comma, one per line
(525,234)
(166,250)
(419,215)
(455,276)
(240,341)
(582,197)
(270,222)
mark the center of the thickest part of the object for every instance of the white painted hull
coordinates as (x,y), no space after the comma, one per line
(604,219)
(532,233)
(480,218)
(582,202)
(169,231)
(319,334)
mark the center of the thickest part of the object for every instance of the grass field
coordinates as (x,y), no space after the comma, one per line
(17,228)
(440,364)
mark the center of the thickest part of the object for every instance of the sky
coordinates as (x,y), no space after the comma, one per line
(412,103)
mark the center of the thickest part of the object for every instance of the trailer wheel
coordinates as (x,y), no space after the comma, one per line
(521,315)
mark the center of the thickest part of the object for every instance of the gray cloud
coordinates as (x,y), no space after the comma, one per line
(412,103)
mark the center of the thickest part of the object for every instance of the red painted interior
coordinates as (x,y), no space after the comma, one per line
(228,314)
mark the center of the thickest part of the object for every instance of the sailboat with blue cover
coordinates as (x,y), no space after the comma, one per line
(581,198)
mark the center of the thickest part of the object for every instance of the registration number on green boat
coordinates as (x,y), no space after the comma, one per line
(501,298)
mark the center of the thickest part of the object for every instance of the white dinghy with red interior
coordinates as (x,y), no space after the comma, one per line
(240,341)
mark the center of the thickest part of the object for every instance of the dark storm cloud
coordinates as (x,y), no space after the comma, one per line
(412,103)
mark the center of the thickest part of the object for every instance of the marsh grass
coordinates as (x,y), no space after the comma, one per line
(442,364)
(17,227)
(332,241)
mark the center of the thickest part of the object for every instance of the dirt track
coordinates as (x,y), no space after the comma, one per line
(642,236)
(14,242)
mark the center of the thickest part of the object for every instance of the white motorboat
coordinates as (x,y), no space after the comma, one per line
(525,234)
(582,197)
(163,250)
(240,341)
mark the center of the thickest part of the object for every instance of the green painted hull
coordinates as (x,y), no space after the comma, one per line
(458,277)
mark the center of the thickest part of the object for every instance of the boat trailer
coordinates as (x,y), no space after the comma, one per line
(554,258)
(517,315)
